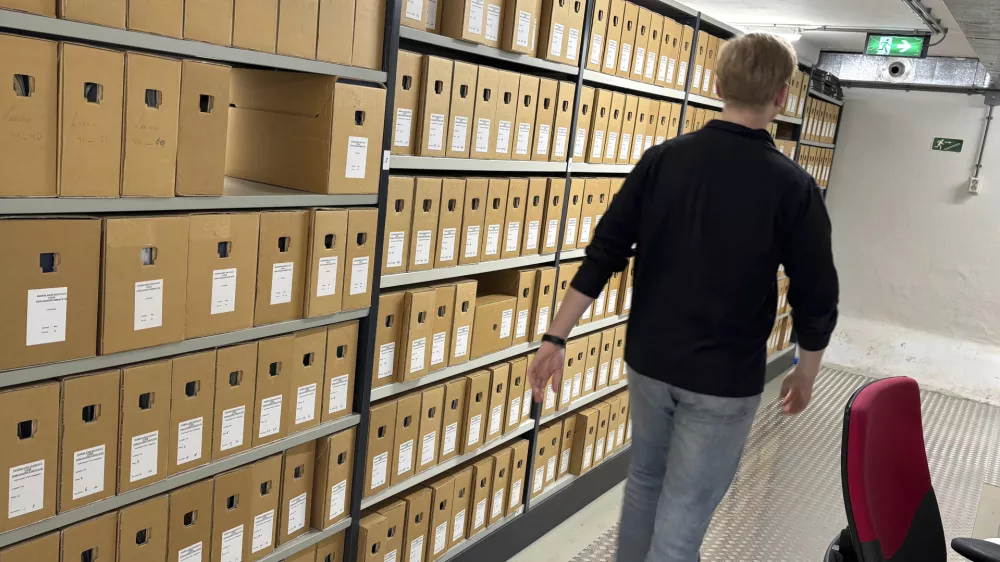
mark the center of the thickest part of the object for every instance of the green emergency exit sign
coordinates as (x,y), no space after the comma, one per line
(947,145)
(896,45)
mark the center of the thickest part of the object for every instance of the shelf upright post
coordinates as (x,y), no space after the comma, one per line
(366,333)
(690,73)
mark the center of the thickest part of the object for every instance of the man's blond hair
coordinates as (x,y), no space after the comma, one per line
(753,68)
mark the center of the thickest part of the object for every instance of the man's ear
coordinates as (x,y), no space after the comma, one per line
(782,99)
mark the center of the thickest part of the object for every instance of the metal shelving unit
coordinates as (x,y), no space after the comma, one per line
(90,33)
(177,481)
(582,402)
(631,85)
(825,97)
(461,547)
(237,194)
(314,536)
(449,464)
(101,362)
(819,144)
(428,163)
(787,119)
(427,276)
(564,482)
(585,168)
(706,101)
(529,62)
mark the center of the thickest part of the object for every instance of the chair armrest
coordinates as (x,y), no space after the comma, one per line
(977,550)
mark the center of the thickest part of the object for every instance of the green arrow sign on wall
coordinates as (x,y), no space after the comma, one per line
(896,45)
(947,145)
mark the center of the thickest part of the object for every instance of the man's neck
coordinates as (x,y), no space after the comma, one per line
(752,118)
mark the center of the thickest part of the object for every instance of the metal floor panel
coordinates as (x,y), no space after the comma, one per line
(786,503)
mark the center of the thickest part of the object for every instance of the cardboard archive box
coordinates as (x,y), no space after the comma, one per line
(615,118)
(263,498)
(584,438)
(306,383)
(380,447)
(283,250)
(296,491)
(464,313)
(442,321)
(453,418)
(618,356)
(332,478)
(275,365)
(517,194)
(142,530)
(520,26)
(395,522)
(506,113)
(433,115)
(431,414)
(525,118)
(591,363)
(145,425)
(545,280)
(576,363)
(211,22)
(626,45)
(372,533)
(235,387)
(231,512)
(600,117)
(423,229)
(78,541)
(598,34)
(409,73)
(574,207)
(493,219)
(462,108)
(643,31)
(442,493)
(398,218)
(341,362)
(477,398)
(583,121)
(189,527)
(499,379)
(30,416)
(449,227)
(418,507)
(298,23)
(553,214)
(89,453)
(405,437)
(482,486)
(152,105)
(484,113)
(653,46)
(603,423)
(473,219)
(327,257)
(387,337)
(616,21)
(501,480)
(545,113)
(361,230)
(534,213)
(418,310)
(192,397)
(462,483)
(562,122)
(566,444)
(494,323)
(604,362)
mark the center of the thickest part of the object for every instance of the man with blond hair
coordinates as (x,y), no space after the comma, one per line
(710,216)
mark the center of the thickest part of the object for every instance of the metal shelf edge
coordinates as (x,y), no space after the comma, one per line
(67,29)
(572,254)
(433,163)
(787,119)
(598,325)
(695,98)
(818,144)
(565,481)
(467,543)
(585,168)
(484,51)
(825,97)
(627,84)
(314,536)
(173,482)
(582,402)
(100,362)
(774,356)
(413,277)
(447,465)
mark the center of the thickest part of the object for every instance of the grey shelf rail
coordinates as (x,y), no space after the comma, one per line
(781,353)
(14,377)
(314,536)
(594,77)
(706,101)
(426,276)
(584,401)
(442,41)
(819,144)
(826,98)
(237,194)
(567,480)
(432,163)
(173,482)
(447,465)
(585,168)
(90,33)
(787,119)
(469,542)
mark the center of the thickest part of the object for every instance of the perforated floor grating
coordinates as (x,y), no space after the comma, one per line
(786,503)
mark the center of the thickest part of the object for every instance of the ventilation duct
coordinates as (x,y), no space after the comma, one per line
(893,72)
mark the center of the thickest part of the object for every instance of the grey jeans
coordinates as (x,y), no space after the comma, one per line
(686,448)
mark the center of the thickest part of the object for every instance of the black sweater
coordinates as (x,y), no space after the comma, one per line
(711,215)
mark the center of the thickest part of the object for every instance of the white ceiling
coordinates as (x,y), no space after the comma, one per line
(868,14)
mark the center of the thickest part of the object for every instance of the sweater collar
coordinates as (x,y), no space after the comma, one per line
(729,126)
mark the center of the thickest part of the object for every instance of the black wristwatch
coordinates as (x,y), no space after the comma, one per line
(554,340)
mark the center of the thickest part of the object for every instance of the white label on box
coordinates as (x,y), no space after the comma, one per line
(588,380)
(577,381)
(281,282)
(602,377)
(148,305)
(270,416)
(513,235)
(626,144)
(394,255)
(88,472)
(564,462)
(597,221)
(415,10)
(232,544)
(492,22)
(232,428)
(458,528)
(539,480)
(621,435)
(297,512)
(359,275)
(650,65)
(559,150)
(637,147)
(450,438)
(338,499)
(326,280)
(497,503)
(596,48)
(515,409)
(526,404)
(552,233)
(482,135)
(461,341)
(616,369)
(458,131)
(586,313)
(612,148)
(416,549)
(189,440)
(626,57)
(640,56)
(386,359)
(503,136)
(708,80)
(802,105)
(190,554)
(404,118)
(522,324)
(338,394)
(47,315)
(390,556)
(585,231)
(417,357)
(611,56)
(523,28)
(572,43)
(567,386)
(305,403)
(448,244)
(543,320)
(628,299)
(555,44)
(404,457)
(475,424)
(588,453)
(532,242)
(649,143)
(480,514)
(427,448)
(611,442)
(696,79)
(506,321)
(628,429)
(432,10)
(437,348)
(143,456)
(598,144)
(682,74)
(523,138)
(357,157)
(492,239)
(496,419)
(550,398)
(440,536)
(435,133)
(543,139)
(661,73)
(612,300)
(599,450)
(571,231)
(472,241)
(380,465)
(580,144)
(476,17)
(550,469)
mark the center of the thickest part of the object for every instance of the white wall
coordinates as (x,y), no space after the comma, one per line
(918,257)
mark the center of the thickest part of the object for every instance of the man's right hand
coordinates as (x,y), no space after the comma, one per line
(548,365)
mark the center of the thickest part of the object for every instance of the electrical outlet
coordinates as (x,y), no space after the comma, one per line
(975,185)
